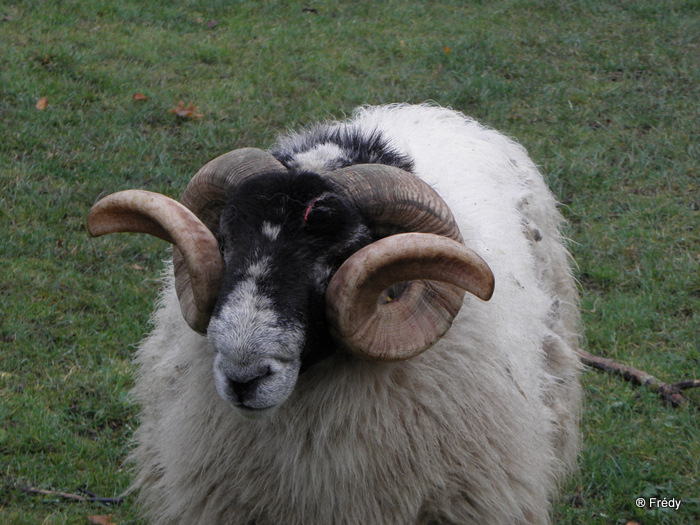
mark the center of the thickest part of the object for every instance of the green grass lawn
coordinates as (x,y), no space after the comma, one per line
(603,94)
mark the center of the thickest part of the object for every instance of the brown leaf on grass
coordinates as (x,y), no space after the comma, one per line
(42,103)
(189,111)
(139,96)
(447,50)
(101,520)
(135,266)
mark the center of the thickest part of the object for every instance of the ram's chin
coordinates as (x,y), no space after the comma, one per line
(252,409)
(254,413)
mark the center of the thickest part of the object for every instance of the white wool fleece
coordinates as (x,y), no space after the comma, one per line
(478,429)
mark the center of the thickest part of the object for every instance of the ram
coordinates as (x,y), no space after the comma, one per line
(286,379)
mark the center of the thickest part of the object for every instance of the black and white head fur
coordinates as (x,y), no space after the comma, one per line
(282,237)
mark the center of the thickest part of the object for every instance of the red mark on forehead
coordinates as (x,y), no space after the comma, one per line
(310,207)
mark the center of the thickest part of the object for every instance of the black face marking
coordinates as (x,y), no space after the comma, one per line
(285,235)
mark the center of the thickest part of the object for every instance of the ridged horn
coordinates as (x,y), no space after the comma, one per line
(377,323)
(430,270)
(395,201)
(140,211)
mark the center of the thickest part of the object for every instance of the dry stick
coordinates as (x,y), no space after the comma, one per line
(671,393)
(75,497)
(689,383)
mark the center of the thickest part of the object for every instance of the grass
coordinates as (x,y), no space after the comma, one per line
(603,94)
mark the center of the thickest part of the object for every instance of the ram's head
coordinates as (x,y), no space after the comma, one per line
(275,267)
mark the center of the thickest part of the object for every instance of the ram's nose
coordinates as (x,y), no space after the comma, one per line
(243,382)
(255,387)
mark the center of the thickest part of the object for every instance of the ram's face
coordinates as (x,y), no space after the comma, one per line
(282,237)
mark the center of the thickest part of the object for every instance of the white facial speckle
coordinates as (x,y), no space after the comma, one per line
(259,268)
(321,272)
(271,231)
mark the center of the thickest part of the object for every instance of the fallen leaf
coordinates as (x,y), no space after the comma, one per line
(101,520)
(139,96)
(447,50)
(135,266)
(189,111)
(42,103)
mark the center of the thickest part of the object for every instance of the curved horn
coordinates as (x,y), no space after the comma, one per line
(395,201)
(381,328)
(141,211)
(431,265)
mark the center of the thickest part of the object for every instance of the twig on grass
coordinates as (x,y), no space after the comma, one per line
(87,497)
(670,392)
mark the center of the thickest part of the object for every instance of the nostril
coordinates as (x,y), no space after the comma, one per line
(241,386)
(237,388)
